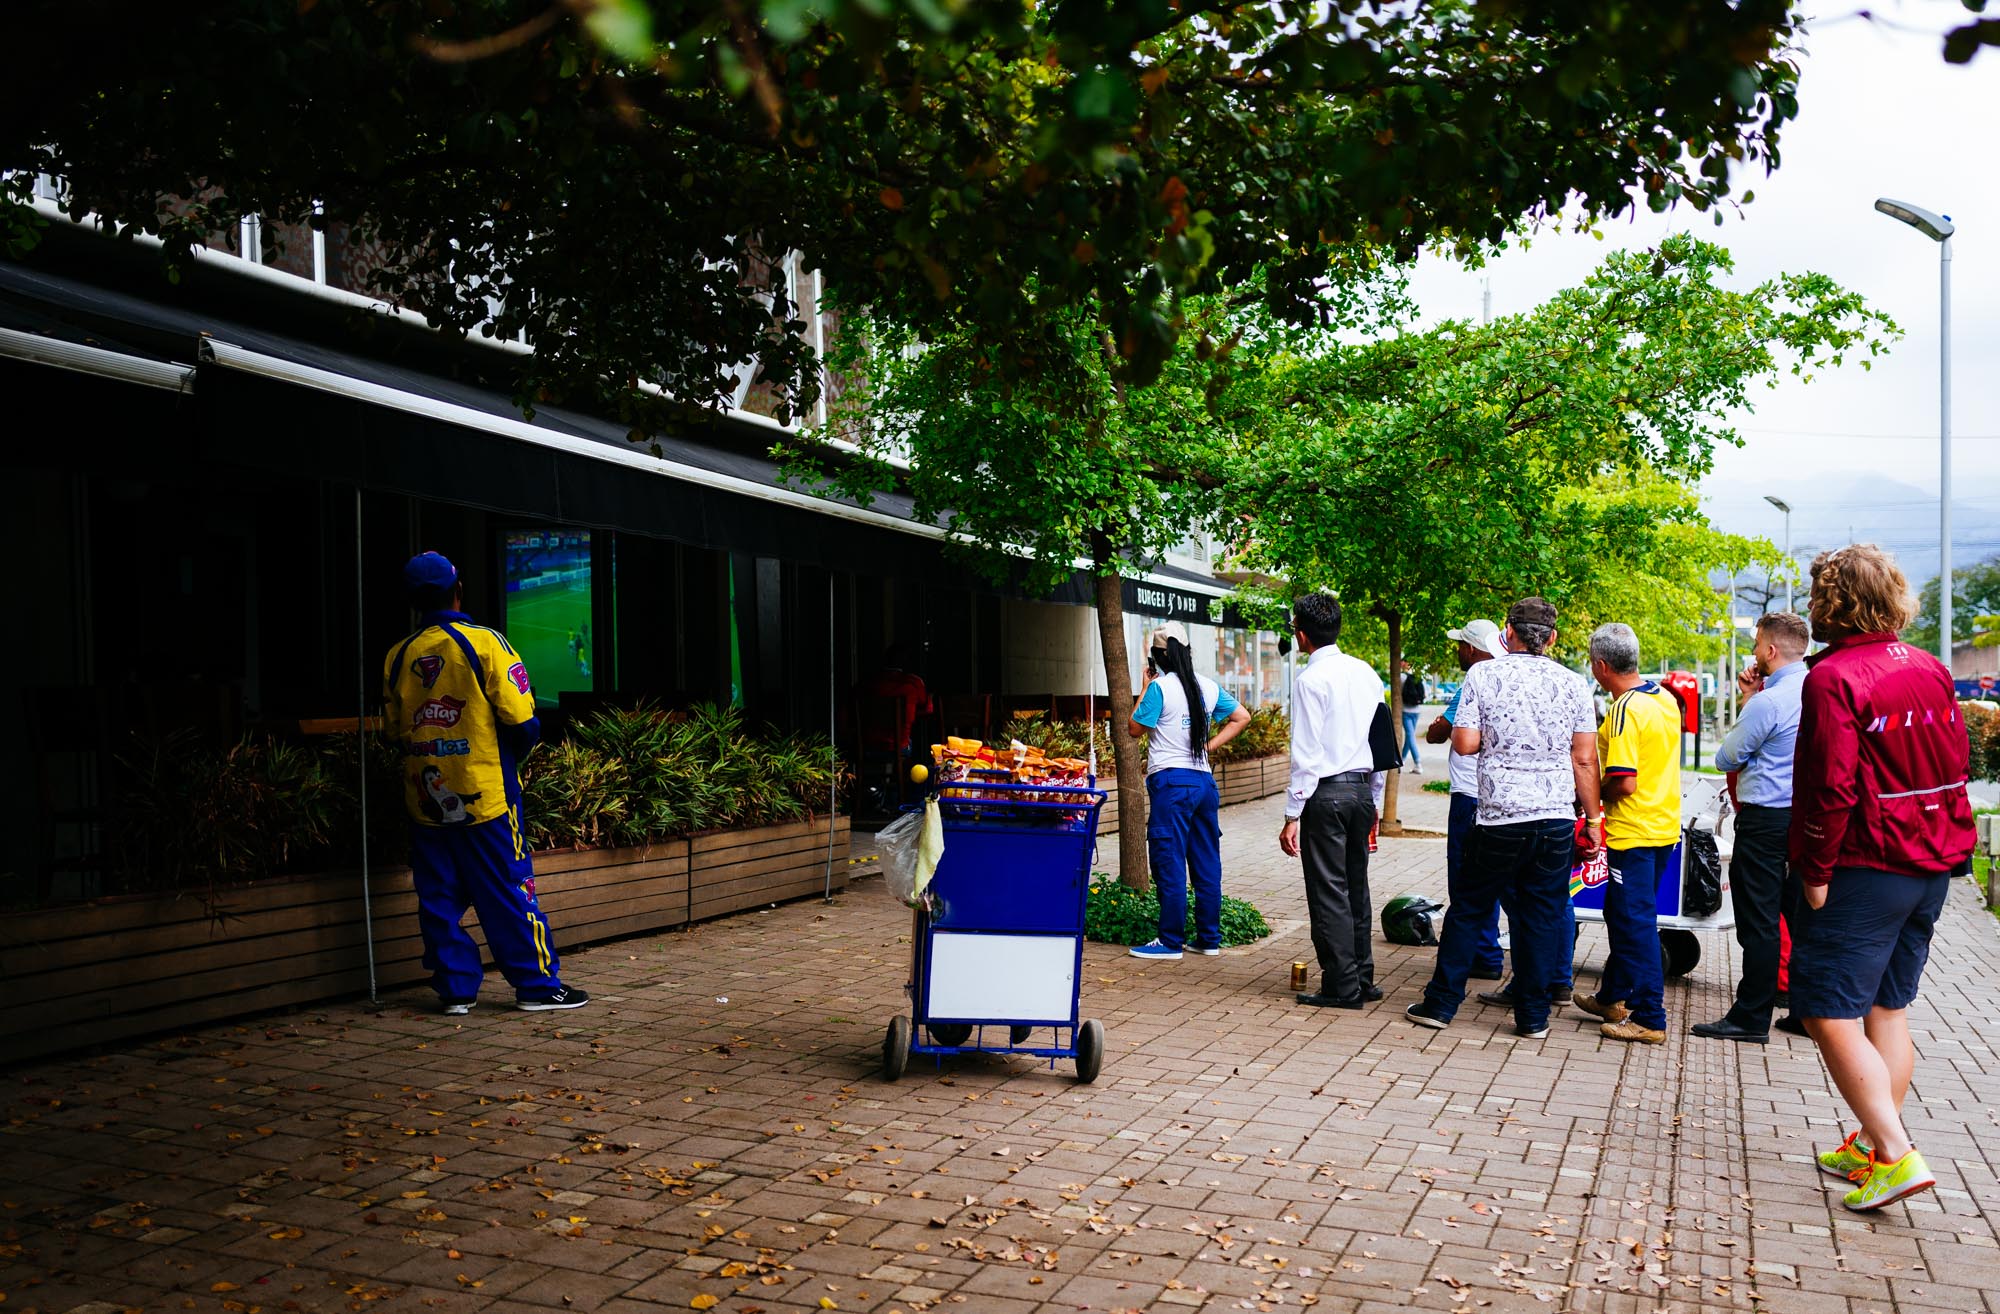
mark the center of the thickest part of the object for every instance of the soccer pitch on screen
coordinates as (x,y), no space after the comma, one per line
(548,609)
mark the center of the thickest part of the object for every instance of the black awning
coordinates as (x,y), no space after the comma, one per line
(486,455)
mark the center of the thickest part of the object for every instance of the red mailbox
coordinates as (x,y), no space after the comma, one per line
(1684,686)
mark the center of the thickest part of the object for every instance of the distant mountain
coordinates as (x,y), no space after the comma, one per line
(1844,506)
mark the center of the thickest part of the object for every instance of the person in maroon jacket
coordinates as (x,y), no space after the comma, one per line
(1880,823)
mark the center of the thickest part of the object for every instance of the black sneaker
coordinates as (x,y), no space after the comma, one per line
(1486,973)
(1537,1033)
(558,998)
(1420,1013)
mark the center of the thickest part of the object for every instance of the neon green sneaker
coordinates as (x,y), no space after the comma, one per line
(1886,1183)
(1849,1159)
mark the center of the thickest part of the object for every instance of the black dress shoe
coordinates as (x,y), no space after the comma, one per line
(1501,998)
(1790,1025)
(1783,999)
(1483,974)
(1318,1000)
(1728,1030)
(1371,994)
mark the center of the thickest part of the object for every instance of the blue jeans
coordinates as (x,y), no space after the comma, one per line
(1631,920)
(1410,739)
(1458,830)
(1528,863)
(1184,841)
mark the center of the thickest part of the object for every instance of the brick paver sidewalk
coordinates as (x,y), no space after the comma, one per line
(713,1131)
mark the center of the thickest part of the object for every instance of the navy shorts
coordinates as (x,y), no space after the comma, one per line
(1867,947)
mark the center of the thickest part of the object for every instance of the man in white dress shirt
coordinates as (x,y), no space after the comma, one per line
(1329,808)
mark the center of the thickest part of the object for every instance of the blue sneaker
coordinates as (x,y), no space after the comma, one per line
(1207,950)
(1155,950)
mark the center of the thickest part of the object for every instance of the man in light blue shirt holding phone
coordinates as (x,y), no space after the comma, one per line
(1759,749)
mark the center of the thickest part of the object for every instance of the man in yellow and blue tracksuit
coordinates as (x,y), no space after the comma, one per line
(456,699)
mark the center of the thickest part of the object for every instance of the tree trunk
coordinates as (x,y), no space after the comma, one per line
(1134,868)
(1394,620)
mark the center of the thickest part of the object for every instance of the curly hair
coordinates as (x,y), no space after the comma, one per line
(1859,589)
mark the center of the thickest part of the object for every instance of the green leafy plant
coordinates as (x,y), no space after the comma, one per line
(1437,787)
(193,817)
(1059,738)
(1269,734)
(1120,914)
(634,776)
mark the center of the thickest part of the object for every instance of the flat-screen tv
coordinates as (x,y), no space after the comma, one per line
(548,607)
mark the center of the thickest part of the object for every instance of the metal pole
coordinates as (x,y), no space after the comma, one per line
(1944,452)
(361,743)
(1791,565)
(832,735)
(1734,688)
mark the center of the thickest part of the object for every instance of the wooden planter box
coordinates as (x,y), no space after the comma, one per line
(130,966)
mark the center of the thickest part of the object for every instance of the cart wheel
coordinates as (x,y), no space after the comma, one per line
(950,1033)
(1089,1050)
(1680,951)
(896,1048)
(1015,1035)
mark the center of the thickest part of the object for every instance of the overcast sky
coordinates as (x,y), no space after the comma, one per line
(1880,114)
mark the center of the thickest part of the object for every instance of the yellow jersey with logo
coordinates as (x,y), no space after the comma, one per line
(452,692)
(1641,737)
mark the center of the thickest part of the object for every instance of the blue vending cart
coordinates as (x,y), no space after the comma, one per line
(997,952)
(1680,950)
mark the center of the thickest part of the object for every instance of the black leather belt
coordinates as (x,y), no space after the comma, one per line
(1347,778)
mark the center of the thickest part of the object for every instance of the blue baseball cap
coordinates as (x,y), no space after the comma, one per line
(428,577)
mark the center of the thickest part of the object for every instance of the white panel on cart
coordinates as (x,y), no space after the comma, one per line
(982,977)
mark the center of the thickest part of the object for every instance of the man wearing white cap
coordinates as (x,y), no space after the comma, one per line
(1477,642)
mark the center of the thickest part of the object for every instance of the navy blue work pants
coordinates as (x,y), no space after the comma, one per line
(1184,841)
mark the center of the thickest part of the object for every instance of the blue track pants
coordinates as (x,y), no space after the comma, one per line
(484,867)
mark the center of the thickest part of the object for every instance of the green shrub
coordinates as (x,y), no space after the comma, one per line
(1982,726)
(1269,734)
(1059,738)
(627,777)
(1119,914)
(191,817)
(1437,787)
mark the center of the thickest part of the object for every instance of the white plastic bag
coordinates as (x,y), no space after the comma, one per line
(898,842)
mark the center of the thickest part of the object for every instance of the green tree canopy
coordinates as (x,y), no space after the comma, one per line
(1431,477)
(609,169)
(1038,458)
(1975,600)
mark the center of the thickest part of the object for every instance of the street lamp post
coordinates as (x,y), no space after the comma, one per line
(1791,567)
(1938,227)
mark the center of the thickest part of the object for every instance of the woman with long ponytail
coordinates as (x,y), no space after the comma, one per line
(1178,708)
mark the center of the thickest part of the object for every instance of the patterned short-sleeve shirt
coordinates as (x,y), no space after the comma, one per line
(1526,709)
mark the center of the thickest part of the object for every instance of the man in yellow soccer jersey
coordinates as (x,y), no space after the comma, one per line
(456,699)
(1639,746)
